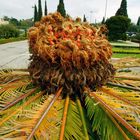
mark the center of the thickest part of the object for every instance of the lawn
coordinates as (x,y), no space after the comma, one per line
(126,50)
(123,49)
(118,55)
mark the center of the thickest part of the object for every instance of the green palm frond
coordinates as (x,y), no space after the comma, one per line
(42,122)
(9,126)
(27,117)
(75,120)
(125,111)
(106,127)
(27,112)
(130,97)
(75,125)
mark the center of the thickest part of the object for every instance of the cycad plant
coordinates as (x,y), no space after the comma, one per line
(68,93)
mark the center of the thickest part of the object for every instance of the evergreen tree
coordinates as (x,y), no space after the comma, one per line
(39,10)
(138,22)
(61,8)
(122,11)
(103,21)
(46,11)
(84,19)
(35,14)
(6,18)
(117,26)
(14,21)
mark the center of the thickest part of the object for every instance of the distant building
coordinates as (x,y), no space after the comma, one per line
(3,22)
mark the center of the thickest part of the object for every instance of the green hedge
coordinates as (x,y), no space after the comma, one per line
(123,52)
(122,55)
(8,31)
(3,41)
(126,47)
(126,50)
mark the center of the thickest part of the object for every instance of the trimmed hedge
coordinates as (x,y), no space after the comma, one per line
(124,47)
(122,55)
(3,41)
(126,52)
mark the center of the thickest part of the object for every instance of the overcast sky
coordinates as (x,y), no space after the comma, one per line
(22,9)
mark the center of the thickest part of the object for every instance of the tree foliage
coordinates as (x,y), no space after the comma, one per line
(35,14)
(117,26)
(103,20)
(138,36)
(39,10)
(26,23)
(14,21)
(45,11)
(7,31)
(84,19)
(138,22)
(6,18)
(61,8)
(20,24)
(133,28)
(122,11)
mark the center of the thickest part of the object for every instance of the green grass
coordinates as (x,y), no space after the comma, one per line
(126,50)
(3,41)
(118,55)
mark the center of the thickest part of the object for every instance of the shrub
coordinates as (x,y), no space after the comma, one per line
(8,31)
(117,26)
(137,37)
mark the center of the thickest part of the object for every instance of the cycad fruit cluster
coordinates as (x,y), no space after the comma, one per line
(69,53)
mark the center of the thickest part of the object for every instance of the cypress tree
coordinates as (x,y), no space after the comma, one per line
(138,22)
(122,11)
(35,14)
(61,8)
(84,19)
(46,11)
(39,10)
(103,21)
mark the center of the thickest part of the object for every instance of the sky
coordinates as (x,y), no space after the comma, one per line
(93,9)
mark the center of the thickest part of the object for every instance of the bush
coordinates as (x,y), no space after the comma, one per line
(8,31)
(117,26)
(136,38)
(3,40)
(134,28)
